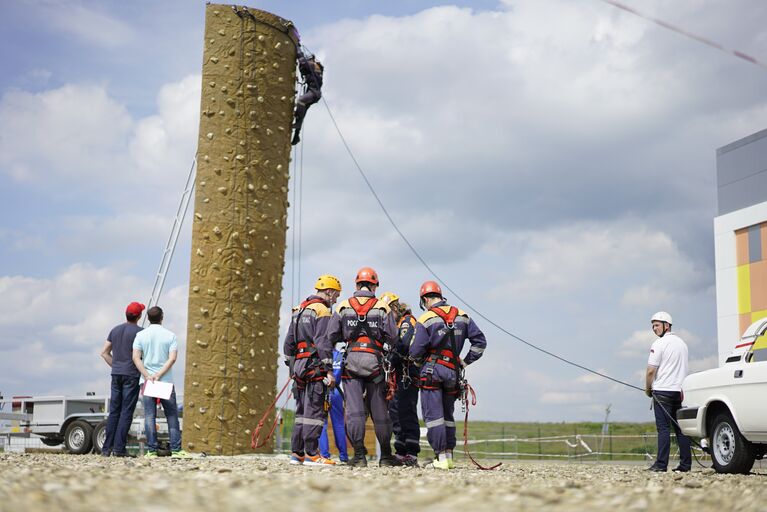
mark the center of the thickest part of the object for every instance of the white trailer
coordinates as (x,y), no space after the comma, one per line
(79,422)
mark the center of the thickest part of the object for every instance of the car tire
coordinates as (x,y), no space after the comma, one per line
(78,437)
(730,451)
(99,437)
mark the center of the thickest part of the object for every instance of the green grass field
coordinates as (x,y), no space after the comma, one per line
(545,441)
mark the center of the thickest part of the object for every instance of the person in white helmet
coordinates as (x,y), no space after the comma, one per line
(666,369)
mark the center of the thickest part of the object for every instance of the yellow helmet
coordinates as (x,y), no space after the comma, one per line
(327,282)
(389,297)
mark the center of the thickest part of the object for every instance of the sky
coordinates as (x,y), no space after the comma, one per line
(553,160)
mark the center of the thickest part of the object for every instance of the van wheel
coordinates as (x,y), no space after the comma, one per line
(730,451)
(78,437)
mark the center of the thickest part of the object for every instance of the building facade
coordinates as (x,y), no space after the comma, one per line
(740,237)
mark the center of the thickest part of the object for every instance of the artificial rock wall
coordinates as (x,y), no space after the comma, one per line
(238,234)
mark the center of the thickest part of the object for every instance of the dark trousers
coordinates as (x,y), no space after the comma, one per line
(362,396)
(310,418)
(671,402)
(306,100)
(122,403)
(438,406)
(403,411)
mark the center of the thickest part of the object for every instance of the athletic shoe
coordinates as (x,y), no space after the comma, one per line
(680,469)
(441,464)
(150,455)
(181,454)
(656,469)
(318,460)
(451,463)
(408,460)
(296,460)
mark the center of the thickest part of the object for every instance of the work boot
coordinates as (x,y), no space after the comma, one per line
(359,460)
(387,459)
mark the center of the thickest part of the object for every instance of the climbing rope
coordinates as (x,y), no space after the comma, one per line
(255,439)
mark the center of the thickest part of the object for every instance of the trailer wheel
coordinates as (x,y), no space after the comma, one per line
(730,451)
(78,437)
(52,440)
(99,437)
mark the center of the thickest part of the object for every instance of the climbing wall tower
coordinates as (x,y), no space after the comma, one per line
(238,234)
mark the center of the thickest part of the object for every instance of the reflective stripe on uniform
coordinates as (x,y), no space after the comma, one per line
(310,421)
(449,423)
(298,420)
(435,423)
(477,350)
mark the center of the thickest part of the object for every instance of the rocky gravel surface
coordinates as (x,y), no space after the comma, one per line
(81,483)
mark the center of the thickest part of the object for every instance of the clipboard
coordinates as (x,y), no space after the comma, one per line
(158,389)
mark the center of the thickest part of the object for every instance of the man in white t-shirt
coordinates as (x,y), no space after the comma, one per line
(666,369)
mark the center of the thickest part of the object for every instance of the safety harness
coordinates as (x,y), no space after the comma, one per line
(306,348)
(361,339)
(446,353)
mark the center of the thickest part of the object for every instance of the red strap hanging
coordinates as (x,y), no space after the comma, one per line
(469,391)
(255,440)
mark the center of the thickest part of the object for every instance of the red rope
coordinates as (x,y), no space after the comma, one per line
(469,391)
(255,441)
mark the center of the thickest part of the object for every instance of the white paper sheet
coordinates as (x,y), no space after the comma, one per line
(158,389)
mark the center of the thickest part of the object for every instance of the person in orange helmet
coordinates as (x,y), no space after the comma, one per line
(440,336)
(367,327)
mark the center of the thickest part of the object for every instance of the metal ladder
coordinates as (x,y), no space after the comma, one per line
(170,246)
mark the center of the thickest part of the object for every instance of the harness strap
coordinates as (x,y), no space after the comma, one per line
(446,356)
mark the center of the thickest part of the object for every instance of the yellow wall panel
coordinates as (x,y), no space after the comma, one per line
(744,289)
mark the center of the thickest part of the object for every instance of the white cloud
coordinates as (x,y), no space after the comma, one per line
(55,328)
(88,25)
(74,133)
(704,363)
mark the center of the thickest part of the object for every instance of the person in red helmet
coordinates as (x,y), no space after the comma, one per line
(367,327)
(440,336)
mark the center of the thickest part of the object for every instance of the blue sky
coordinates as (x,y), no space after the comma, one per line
(554,160)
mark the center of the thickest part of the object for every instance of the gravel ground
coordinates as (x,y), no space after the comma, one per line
(81,483)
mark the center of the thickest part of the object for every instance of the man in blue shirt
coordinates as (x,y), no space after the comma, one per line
(154,352)
(117,353)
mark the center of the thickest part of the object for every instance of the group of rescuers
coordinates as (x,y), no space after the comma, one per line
(387,358)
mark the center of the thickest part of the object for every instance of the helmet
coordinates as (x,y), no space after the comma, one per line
(327,282)
(661,316)
(367,275)
(430,287)
(389,297)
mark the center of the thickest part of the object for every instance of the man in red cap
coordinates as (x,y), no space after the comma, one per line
(118,353)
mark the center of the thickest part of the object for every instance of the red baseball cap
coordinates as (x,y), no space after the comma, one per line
(135,308)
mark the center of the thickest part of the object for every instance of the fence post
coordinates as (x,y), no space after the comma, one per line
(539,441)
(503,436)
